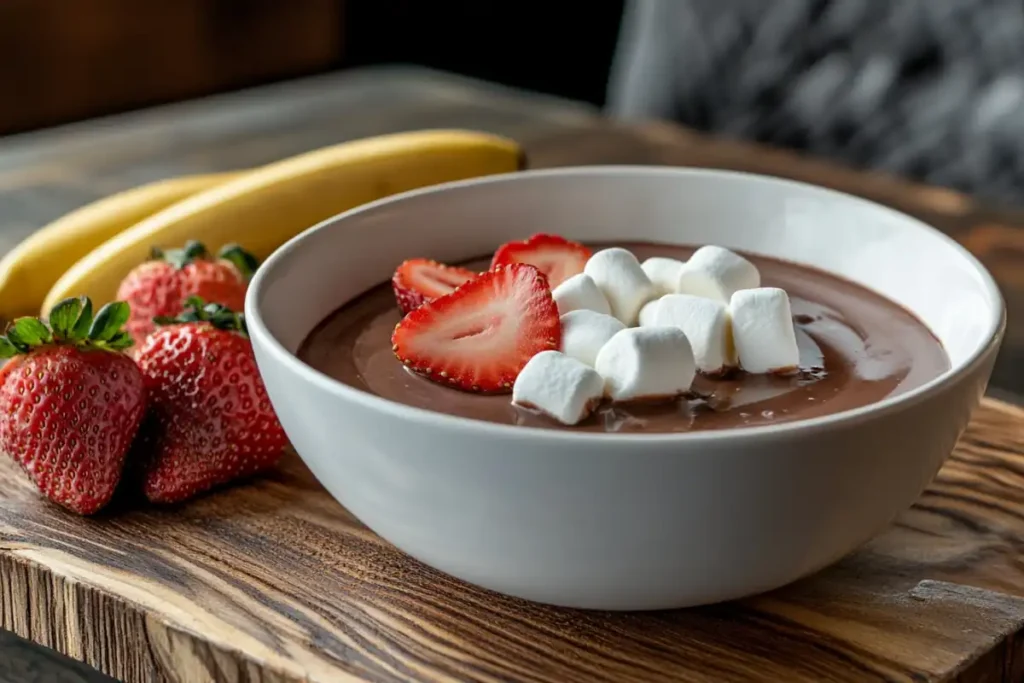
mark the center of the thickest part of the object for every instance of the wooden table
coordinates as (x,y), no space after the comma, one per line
(274,581)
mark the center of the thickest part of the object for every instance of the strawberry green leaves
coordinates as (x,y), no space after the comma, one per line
(179,258)
(194,251)
(218,315)
(108,325)
(70,322)
(7,349)
(27,332)
(245,262)
(66,314)
(22,335)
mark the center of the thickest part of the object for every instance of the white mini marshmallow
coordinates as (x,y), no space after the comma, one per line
(716,273)
(585,332)
(558,386)
(578,293)
(663,272)
(648,312)
(705,322)
(762,329)
(646,363)
(622,281)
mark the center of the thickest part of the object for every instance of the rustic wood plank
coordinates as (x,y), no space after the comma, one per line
(274,581)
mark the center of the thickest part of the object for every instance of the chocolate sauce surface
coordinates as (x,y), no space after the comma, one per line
(857,348)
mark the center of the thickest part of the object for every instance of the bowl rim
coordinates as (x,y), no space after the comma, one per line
(278,354)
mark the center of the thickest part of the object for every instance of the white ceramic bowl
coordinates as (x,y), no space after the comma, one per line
(625,521)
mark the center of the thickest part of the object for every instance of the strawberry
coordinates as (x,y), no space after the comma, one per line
(159,287)
(420,280)
(70,401)
(481,335)
(556,257)
(210,420)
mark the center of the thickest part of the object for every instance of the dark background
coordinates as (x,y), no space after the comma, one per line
(932,90)
(64,60)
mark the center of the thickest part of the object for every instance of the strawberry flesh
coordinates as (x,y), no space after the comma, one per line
(479,337)
(556,257)
(420,280)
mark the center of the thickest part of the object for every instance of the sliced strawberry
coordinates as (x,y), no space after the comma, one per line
(420,280)
(480,336)
(556,257)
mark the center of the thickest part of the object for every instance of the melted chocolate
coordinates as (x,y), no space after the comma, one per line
(870,347)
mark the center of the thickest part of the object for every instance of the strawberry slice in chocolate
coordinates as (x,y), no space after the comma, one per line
(481,335)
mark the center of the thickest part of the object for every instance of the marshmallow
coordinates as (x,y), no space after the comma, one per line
(624,283)
(558,386)
(705,322)
(580,292)
(647,313)
(646,363)
(762,329)
(663,272)
(716,273)
(585,332)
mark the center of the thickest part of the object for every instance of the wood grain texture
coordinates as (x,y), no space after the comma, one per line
(274,581)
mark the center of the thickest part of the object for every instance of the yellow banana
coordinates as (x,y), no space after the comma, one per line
(264,208)
(28,271)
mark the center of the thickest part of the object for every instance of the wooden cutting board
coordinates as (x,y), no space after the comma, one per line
(274,581)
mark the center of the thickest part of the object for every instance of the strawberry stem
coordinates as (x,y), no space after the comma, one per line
(71,322)
(179,258)
(218,315)
(245,262)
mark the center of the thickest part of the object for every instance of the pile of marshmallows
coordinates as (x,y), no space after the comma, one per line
(641,332)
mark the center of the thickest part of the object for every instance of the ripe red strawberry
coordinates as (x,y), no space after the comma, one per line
(556,257)
(210,421)
(481,335)
(159,288)
(420,280)
(71,401)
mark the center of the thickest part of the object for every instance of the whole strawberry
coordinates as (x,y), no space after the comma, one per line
(70,401)
(210,419)
(159,288)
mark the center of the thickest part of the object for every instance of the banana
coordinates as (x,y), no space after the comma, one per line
(28,271)
(264,208)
